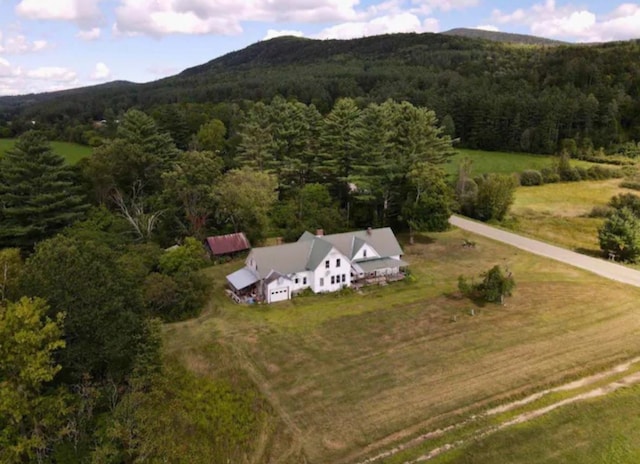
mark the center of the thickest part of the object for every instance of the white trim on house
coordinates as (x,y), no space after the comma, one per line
(322,263)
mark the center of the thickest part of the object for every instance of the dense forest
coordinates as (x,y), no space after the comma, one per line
(490,95)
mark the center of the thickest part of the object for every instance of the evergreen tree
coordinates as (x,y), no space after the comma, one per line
(38,193)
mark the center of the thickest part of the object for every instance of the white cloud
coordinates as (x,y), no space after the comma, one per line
(273,33)
(224,17)
(101,72)
(430,25)
(487,27)
(19,43)
(549,20)
(82,12)
(89,34)
(52,73)
(404,22)
(7,70)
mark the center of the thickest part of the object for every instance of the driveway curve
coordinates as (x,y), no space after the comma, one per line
(601,267)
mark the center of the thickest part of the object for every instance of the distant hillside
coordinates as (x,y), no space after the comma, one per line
(496,95)
(502,37)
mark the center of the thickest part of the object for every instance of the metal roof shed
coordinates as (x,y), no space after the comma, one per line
(227,244)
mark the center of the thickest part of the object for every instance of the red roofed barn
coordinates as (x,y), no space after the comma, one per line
(221,245)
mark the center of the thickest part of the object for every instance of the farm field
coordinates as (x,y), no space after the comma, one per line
(558,213)
(350,375)
(599,430)
(72,152)
(502,162)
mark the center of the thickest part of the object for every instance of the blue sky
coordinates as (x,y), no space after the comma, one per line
(56,44)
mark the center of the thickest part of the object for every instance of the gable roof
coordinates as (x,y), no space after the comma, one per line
(285,259)
(230,243)
(382,240)
(309,251)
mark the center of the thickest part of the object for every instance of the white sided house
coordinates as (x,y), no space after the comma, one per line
(322,263)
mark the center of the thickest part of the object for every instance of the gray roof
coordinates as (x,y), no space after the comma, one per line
(242,278)
(285,259)
(309,251)
(382,240)
(372,265)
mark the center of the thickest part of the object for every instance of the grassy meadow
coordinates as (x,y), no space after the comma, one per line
(597,431)
(72,152)
(349,375)
(502,162)
(558,213)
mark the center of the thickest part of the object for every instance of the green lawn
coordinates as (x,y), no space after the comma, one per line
(347,376)
(502,162)
(557,213)
(603,430)
(72,152)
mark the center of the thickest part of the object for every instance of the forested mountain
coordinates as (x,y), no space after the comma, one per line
(492,95)
(502,36)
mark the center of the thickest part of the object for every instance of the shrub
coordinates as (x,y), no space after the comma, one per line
(620,234)
(531,177)
(495,285)
(602,172)
(626,200)
(600,211)
(549,176)
(630,184)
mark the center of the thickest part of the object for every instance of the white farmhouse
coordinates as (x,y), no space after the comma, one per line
(323,263)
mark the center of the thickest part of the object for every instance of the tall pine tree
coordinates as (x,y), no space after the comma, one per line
(38,193)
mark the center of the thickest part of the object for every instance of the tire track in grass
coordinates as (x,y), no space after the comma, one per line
(628,380)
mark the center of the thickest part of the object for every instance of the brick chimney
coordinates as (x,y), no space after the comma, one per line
(319,232)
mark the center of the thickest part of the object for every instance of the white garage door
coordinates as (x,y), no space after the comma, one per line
(279,294)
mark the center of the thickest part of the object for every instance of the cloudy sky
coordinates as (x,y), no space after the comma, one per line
(57,44)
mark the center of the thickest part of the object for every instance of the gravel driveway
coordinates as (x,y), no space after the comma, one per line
(601,267)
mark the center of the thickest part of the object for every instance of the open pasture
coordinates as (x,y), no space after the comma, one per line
(503,162)
(350,375)
(558,213)
(72,152)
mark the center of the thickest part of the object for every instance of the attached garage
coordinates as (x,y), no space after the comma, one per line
(278,294)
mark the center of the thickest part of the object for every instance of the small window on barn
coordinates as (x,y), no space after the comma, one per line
(326,264)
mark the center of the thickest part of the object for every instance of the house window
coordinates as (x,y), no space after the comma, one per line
(304,281)
(338,262)
(364,253)
(322,281)
(333,280)
(326,264)
(297,280)
(344,277)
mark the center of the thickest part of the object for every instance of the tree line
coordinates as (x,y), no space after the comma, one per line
(492,96)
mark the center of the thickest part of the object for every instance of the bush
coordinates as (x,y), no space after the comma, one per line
(630,184)
(570,175)
(549,176)
(620,234)
(495,285)
(626,200)
(600,211)
(531,177)
(602,173)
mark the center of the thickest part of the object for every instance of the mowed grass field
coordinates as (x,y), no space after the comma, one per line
(502,162)
(558,213)
(349,375)
(72,152)
(603,430)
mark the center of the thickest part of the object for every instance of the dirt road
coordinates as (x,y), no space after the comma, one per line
(601,267)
